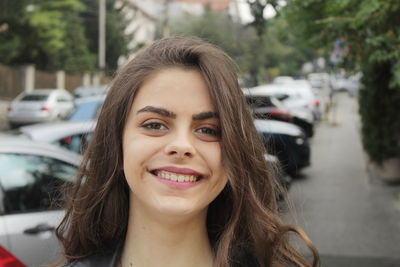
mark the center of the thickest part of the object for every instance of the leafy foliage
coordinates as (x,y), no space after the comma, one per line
(46,33)
(60,34)
(257,8)
(220,30)
(370,29)
(285,49)
(116,39)
(278,51)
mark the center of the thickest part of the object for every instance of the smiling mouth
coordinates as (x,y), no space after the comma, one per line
(176,177)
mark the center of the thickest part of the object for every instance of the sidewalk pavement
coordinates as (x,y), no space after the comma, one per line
(353,220)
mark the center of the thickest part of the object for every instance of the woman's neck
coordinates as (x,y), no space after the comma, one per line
(166,241)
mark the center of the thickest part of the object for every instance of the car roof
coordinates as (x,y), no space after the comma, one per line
(44,91)
(101,87)
(295,87)
(88,99)
(50,132)
(18,145)
(87,109)
(277,127)
(261,90)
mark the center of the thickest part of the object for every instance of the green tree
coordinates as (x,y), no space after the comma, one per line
(257,8)
(44,32)
(278,51)
(285,49)
(116,38)
(218,28)
(371,32)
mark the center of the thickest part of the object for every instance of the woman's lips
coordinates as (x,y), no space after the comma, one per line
(178,170)
(180,178)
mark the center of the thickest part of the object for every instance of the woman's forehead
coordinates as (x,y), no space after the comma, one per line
(173,88)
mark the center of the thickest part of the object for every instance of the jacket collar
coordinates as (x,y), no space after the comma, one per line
(109,259)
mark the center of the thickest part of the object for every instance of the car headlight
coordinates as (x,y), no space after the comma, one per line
(299,140)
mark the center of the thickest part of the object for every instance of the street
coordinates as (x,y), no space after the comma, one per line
(352,219)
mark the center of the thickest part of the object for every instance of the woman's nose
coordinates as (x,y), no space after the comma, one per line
(180,145)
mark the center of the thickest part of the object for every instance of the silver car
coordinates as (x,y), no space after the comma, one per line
(31,174)
(88,91)
(73,136)
(40,105)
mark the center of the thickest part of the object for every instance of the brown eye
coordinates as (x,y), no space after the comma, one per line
(155,126)
(209,131)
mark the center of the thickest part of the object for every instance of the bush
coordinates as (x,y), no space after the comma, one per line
(380,113)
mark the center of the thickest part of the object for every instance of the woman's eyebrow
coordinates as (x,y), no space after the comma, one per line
(161,111)
(205,115)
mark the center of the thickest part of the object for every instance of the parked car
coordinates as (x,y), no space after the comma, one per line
(296,94)
(267,107)
(319,80)
(264,102)
(287,142)
(350,84)
(31,174)
(280,175)
(72,135)
(300,96)
(9,259)
(87,109)
(88,91)
(40,105)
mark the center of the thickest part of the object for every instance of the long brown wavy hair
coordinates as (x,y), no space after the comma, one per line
(243,222)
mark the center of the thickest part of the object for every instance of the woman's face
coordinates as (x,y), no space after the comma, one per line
(171,145)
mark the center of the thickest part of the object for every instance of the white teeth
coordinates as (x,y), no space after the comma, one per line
(176,177)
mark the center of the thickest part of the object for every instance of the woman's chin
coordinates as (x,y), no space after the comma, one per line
(179,209)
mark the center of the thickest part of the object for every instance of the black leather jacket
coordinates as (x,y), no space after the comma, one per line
(110,259)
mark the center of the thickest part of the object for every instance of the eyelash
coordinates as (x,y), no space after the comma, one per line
(153,126)
(209,131)
(157,126)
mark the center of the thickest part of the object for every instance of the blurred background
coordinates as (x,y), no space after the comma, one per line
(322,78)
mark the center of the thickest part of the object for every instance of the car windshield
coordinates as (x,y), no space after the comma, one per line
(259,101)
(85,111)
(281,97)
(34,97)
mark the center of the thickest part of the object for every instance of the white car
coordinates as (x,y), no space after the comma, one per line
(40,105)
(289,95)
(31,176)
(88,91)
(319,80)
(300,96)
(350,84)
(73,136)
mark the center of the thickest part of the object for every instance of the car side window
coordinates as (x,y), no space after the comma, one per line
(259,101)
(62,99)
(33,183)
(76,143)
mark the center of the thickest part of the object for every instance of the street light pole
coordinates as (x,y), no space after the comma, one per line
(166,32)
(102,34)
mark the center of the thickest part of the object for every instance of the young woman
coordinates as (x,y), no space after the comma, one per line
(175,173)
